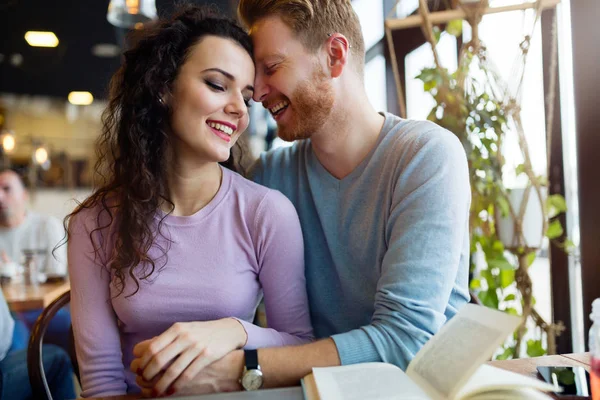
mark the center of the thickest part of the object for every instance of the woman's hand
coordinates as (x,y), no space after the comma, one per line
(184,350)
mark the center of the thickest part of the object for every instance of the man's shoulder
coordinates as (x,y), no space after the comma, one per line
(279,164)
(284,155)
(419,133)
(408,139)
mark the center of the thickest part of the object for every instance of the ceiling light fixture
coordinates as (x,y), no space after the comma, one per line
(128,13)
(40,156)
(8,142)
(41,39)
(106,50)
(81,98)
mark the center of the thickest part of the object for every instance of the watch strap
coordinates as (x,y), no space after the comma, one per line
(251,359)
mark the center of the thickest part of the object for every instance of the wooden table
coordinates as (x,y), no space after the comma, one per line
(21,297)
(525,366)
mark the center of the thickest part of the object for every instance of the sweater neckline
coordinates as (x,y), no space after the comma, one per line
(198,216)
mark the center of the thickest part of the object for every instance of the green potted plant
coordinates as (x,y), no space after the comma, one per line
(506,225)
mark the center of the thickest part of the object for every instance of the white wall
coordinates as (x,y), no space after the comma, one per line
(56,202)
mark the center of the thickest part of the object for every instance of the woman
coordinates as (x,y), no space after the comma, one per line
(174,251)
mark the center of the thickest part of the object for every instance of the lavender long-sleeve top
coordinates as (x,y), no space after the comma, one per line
(247,241)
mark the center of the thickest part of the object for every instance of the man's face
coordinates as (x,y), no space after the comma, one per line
(13,196)
(289,81)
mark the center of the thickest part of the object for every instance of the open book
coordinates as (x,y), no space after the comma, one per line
(449,366)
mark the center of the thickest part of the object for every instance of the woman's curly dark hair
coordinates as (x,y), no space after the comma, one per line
(133,144)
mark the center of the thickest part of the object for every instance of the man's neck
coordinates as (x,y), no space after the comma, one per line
(348,137)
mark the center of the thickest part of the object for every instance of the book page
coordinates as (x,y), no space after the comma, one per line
(453,355)
(488,379)
(374,381)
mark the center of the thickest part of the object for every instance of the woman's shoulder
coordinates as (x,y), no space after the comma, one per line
(261,197)
(94,213)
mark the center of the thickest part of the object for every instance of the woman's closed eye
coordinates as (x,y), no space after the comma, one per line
(215,86)
(218,88)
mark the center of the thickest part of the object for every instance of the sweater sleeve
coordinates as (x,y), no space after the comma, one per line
(280,252)
(425,233)
(97,340)
(7,324)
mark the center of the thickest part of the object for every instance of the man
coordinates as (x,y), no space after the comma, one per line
(21,229)
(383,202)
(14,379)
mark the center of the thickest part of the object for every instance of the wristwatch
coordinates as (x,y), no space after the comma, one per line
(252,379)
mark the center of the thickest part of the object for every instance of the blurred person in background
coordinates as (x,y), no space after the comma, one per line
(14,378)
(22,229)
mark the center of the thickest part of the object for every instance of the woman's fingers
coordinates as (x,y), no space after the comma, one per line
(141,347)
(176,369)
(161,360)
(157,344)
(142,383)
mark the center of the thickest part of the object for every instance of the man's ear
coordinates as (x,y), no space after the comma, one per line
(338,52)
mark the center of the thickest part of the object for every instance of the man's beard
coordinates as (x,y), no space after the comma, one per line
(311,105)
(5,215)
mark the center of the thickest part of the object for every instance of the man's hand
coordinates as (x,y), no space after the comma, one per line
(4,257)
(183,351)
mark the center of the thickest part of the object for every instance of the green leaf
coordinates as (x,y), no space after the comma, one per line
(530,258)
(510,297)
(489,298)
(555,230)
(428,74)
(475,284)
(569,246)
(507,278)
(427,86)
(520,169)
(566,377)
(556,204)
(500,263)
(512,311)
(498,246)
(454,27)
(503,205)
(507,354)
(535,348)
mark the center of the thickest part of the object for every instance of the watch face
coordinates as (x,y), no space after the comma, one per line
(252,379)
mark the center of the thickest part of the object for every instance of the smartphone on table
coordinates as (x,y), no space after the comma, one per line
(574,381)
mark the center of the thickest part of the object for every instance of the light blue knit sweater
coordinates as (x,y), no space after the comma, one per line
(387,247)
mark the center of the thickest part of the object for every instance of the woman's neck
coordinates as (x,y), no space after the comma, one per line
(192,187)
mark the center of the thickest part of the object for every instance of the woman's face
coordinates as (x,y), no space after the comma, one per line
(209,99)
